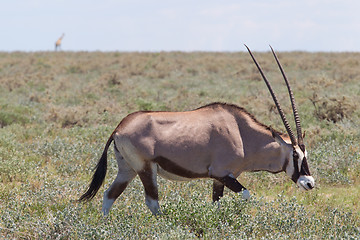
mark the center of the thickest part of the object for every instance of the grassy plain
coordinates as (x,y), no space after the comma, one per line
(58,109)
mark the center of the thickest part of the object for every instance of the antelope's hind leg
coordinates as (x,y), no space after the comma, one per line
(125,175)
(148,178)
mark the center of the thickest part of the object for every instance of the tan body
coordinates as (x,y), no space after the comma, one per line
(213,141)
(217,141)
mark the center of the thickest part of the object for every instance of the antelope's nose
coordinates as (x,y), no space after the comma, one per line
(306,182)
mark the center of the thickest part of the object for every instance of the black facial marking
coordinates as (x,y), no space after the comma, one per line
(296,173)
(302,147)
(295,155)
(305,168)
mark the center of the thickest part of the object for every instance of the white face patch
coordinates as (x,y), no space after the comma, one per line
(290,168)
(306,182)
(301,156)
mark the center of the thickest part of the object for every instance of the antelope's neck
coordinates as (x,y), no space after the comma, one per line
(269,156)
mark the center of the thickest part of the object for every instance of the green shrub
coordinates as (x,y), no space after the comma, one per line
(13,115)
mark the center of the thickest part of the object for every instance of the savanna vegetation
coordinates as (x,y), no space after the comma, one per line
(58,109)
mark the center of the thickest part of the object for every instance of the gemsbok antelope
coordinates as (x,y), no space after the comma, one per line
(217,141)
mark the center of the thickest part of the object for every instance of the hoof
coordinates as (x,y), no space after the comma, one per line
(246,194)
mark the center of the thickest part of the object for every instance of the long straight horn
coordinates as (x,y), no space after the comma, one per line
(286,124)
(292,99)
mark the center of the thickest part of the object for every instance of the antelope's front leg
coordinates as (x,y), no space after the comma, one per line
(230,182)
(218,190)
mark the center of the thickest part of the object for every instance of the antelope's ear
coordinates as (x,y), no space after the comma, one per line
(303,136)
(277,138)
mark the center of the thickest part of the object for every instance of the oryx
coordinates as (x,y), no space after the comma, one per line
(218,141)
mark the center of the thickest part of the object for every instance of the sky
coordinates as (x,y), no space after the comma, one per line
(172,25)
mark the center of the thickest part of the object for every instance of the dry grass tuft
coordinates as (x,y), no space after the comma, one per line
(333,109)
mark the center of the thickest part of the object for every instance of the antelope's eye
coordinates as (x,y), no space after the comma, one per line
(295,155)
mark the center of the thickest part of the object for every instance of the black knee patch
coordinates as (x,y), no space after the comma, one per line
(231,183)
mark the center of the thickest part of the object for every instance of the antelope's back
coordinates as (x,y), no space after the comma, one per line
(193,138)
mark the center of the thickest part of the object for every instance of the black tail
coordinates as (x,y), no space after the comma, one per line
(99,175)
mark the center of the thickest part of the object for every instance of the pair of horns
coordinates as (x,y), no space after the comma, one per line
(296,115)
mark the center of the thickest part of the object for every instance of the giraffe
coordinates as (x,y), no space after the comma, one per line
(58,42)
